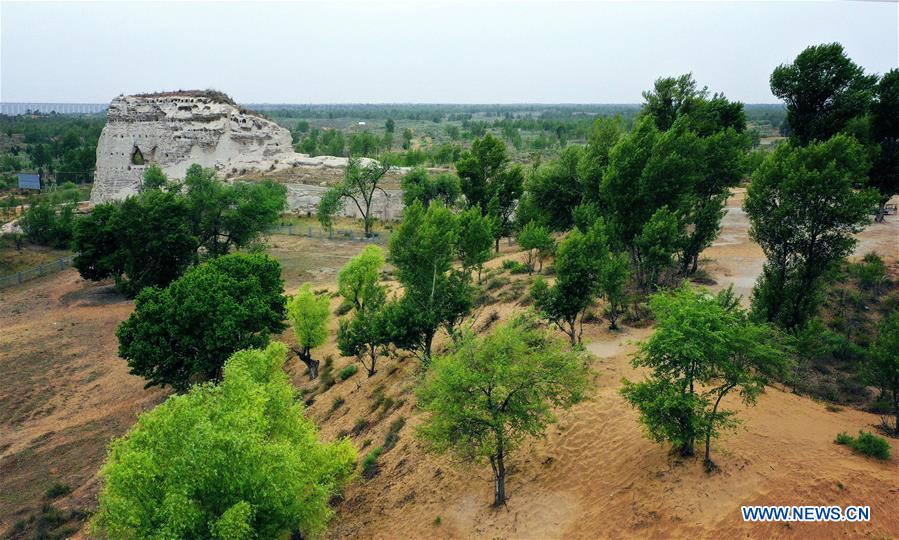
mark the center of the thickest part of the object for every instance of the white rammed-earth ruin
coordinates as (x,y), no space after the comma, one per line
(176,129)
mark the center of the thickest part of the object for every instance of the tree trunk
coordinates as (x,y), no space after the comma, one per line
(499,484)
(374,358)
(896,410)
(497,244)
(687,449)
(306,356)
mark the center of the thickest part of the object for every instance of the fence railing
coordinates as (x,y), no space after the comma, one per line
(333,234)
(41,270)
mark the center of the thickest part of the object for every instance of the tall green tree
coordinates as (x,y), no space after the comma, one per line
(422,250)
(823,89)
(183,333)
(359,185)
(364,335)
(225,216)
(233,460)
(143,241)
(884,174)
(484,399)
(553,190)
(536,241)
(491,183)
(475,240)
(703,348)
(804,206)
(580,258)
(308,314)
(419,185)
(882,368)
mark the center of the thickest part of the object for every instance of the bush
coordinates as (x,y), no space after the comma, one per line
(393,433)
(44,226)
(347,372)
(57,490)
(866,443)
(370,463)
(514,267)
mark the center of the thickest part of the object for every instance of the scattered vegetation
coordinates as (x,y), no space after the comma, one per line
(867,444)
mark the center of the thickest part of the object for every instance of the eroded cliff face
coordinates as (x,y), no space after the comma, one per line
(174,130)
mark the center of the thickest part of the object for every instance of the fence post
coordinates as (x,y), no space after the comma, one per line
(40,269)
(61,264)
(20,277)
(290,230)
(310,232)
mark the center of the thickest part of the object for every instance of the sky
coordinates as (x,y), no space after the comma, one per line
(422,52)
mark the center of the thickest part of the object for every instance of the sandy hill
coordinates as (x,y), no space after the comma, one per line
(64,394)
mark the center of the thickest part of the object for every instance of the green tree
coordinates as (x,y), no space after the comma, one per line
(885,133)
(364,335)
(491,393)
(182,334)
(656,246)
(553,190)
(357,281)
(419,185)
(233,460)
(703,348)
(308,314)
(407,139)
(475,240)
(359,185)
(224,216)
(390,125)
(422,250)
(143,241)
(804,208)
(613,280)
(882,368)
(537,242)
(605,132)
(823,89)
(490,183)
(153,178)
(579,262)
(48,225)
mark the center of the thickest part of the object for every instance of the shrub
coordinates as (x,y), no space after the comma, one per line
(866,443)
(57,490)
(360,426)
(338,401)
(370,463)
(393,433)
(44,226)
(514,266)
(496,282)
(347,372)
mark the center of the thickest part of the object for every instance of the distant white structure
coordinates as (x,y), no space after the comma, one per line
(177,129)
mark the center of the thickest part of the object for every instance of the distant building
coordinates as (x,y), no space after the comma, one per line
(29,181)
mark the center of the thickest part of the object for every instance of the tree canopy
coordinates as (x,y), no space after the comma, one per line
(491,393)
(308,314)
(231,460)
(823,89)
(703,347)
(804,206)
(183,333)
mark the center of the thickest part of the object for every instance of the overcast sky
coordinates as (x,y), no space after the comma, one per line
(383,52)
